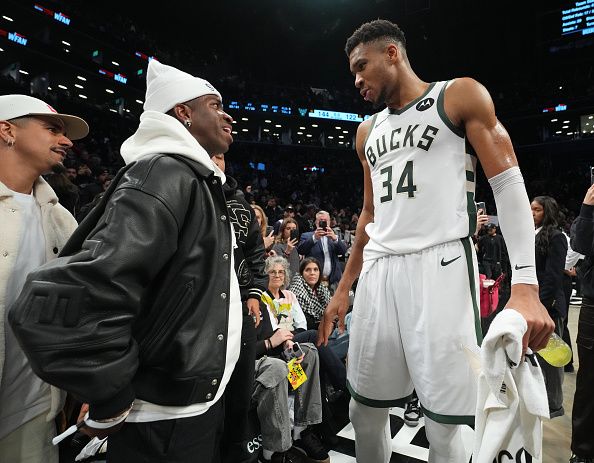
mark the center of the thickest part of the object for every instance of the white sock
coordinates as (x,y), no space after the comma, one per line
(267,454)
(297,430)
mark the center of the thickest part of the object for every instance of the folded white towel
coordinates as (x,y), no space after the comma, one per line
(512,399)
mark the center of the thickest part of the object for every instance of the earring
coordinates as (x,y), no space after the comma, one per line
(10,143)
(188,123)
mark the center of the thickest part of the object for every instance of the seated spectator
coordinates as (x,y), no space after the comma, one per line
(284,309)
(324,245)
(313,297)
(271,394)
(267,232)
(286,246)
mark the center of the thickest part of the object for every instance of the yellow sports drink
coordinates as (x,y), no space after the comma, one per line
(557,352)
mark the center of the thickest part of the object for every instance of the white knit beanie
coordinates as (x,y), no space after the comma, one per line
(167,86)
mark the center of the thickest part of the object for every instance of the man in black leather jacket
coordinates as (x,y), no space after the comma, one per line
(140,317)
(582,241)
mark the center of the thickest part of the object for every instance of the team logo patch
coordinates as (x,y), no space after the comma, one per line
(425,104)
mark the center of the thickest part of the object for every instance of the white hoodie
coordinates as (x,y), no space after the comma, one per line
(160,133)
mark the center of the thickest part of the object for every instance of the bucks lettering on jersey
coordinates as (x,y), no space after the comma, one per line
(423,178)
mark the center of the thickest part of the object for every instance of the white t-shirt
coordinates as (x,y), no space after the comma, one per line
(23,395)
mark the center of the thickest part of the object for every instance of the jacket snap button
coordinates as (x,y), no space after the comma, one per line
(214,181)
(55,250)
(226,256)
(214,382)
(208,396)
(223,218)
(220,337)
(223,296)
(5,253)
(12,210)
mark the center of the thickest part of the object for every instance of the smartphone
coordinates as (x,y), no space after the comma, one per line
(323,224)
(592,175)
(482,206)
(294,352)
(294,234)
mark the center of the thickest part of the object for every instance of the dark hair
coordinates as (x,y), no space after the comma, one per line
(551,221)
(380,29)
(281,231)
(311,260)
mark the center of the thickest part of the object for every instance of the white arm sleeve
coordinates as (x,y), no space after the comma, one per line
(517,226)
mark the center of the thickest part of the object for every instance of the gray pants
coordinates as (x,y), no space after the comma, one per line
(30,442)
(271,393)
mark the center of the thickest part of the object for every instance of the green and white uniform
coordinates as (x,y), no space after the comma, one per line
(416,309)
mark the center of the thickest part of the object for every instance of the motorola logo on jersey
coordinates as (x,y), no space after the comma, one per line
(425,104)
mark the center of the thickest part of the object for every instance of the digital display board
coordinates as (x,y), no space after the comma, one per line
(58,16)
(335,115)
(14,37)
(289,111)
(578,18)
(559,107)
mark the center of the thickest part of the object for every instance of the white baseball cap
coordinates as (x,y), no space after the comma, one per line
(13,106)
(167,86)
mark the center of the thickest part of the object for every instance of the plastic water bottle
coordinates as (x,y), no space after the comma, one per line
(557,353)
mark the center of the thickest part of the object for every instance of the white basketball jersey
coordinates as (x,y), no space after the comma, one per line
(423,178)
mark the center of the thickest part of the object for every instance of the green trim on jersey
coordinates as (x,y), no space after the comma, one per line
(469,148)
(373,118)
(378,403)
(449,419)
(442,114)
(470,265)
(413,102)
(471,210)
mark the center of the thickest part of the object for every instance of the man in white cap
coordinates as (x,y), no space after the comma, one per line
(143,318)
(34,228)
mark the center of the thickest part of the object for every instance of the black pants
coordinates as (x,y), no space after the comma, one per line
(238,396)
(582,440)
(492,269)
(187,440)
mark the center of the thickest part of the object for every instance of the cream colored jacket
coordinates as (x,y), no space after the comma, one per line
(58,224)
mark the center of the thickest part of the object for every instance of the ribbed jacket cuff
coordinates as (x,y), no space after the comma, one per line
(113,406)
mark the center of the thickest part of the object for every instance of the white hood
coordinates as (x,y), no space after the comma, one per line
(160,133)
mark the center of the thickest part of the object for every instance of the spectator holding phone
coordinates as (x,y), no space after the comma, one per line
(285,243)
(324,245)
(267,232)
(275,334)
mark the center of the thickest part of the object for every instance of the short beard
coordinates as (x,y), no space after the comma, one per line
(381,100)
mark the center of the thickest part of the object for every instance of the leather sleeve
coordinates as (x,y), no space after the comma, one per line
(75,315)
(582,231)
(254,255)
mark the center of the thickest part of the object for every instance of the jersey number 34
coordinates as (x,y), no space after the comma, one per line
(406,183)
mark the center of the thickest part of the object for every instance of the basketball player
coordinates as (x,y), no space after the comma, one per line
(416,309)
